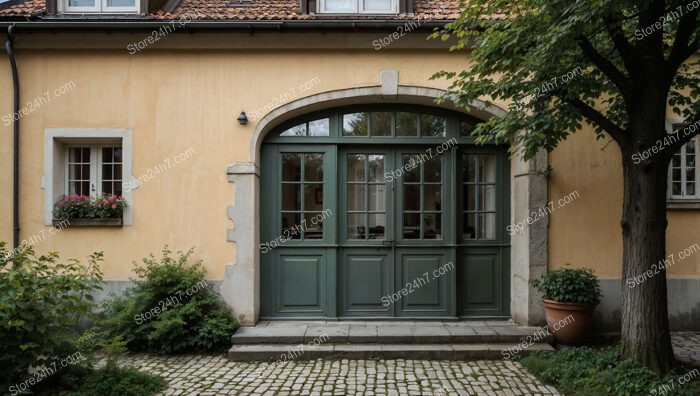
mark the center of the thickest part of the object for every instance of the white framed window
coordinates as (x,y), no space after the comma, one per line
(93,169)
(103,6)
(358,7)
(87,161)
(684,177)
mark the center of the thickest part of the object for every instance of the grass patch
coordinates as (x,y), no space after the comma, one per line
(589,372)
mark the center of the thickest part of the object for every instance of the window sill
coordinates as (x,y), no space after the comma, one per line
(89,223)
(678,204)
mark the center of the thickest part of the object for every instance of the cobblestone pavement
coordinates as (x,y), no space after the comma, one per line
(215,375)
(687,347)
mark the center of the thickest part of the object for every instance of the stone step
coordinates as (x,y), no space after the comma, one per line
(281,353)
(388,334)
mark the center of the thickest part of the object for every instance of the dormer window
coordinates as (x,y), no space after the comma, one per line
(358,6)
(100,6)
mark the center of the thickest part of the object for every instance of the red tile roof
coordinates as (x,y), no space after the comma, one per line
(267,10)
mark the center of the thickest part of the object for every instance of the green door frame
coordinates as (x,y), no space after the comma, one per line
(323,260)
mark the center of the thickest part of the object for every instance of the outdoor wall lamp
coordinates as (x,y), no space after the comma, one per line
(242,118)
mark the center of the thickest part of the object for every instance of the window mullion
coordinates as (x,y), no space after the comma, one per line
(95,170)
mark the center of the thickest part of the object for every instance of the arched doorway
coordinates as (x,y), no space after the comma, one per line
(383,211)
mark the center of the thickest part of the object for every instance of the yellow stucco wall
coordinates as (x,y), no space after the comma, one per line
(178,99)
(173,100)
(586,232)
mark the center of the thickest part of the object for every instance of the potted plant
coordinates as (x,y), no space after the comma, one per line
(81,210)
(570,296)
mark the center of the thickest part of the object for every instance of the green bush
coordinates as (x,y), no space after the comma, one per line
(170,309)
(41,301)
(589,372)
(572,285)
(105,206)
(110,380)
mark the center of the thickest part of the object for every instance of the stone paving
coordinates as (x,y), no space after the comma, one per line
(687,347)
(215,375)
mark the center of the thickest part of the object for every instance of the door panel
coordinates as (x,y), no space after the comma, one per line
(366,279)
(299,281)
(420,282)
(480,279)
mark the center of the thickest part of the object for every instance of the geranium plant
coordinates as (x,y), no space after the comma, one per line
(105,206)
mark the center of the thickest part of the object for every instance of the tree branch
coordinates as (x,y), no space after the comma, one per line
(597,117)
(607,67)
(613,26)
(682,49)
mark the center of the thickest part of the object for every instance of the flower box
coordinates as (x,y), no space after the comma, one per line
(89,223)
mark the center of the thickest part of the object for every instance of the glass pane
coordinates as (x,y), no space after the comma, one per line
(466,127)
(117,172)
(690,188)
(487,168)
(433,170)
(356,197)
(291,196)
(299,130)
(411,226)
(107,187)
(677,189)
(432,226)
(406,124)
(291,225)
(356,167)
(106,172)
(690,147)
(121,3)
(117,188)
(433,126)
(411,168)
(107,154)
(469,226)
(377,225)
(319,127)
(377,5)
(85,172)
(313,196)
(356,226)
(470,196)
(487,197)
(355,124)
(377,197)
(117,154)
(74,172)
(313,226)
(291,167)
(81,3)
(313,167)
(676,174)
(469,168)
(339,5)
(487,226)
(411,197)
(376,168)
(381,124)
(432,199)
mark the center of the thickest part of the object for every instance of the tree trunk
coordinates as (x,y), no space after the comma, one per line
(645,330)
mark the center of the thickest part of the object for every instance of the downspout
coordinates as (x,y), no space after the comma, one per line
(15,167)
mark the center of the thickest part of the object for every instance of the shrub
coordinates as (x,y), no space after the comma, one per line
(105,206)
(572,285)
(589,372)
(41,302)
(170,309)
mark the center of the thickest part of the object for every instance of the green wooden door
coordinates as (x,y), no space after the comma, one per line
(364,218)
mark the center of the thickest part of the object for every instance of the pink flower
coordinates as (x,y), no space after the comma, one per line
(111,197)
(105,202)
(114,206)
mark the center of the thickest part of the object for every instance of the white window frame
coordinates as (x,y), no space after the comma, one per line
(358,8)
(96,162)
(683,196)
(682,201)
(100,7)
(55,179)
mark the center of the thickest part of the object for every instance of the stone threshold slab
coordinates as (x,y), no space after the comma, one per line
(279,354)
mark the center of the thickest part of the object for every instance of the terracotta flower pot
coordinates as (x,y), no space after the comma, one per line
(569,323)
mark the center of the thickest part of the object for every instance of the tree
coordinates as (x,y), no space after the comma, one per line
(617,65)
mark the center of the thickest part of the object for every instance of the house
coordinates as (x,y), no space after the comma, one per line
(299,147)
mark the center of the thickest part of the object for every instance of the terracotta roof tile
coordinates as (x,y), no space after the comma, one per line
(267,10)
